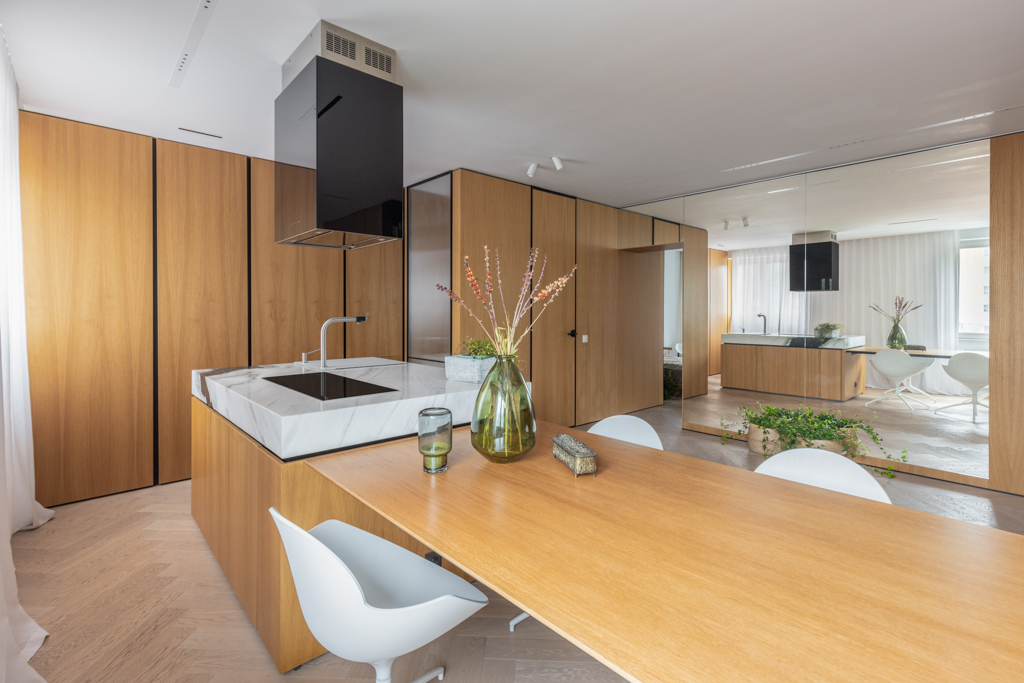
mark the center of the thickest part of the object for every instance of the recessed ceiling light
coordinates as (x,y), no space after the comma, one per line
(746,224)
(785,190)
(192,38)
(922,220)
(199,132)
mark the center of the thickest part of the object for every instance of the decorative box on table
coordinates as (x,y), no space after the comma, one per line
(576,455)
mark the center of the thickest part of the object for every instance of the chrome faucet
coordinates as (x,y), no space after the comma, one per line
(762,315)
(323,337)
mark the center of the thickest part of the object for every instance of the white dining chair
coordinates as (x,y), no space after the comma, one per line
(624,428)
(971,370)
(826,470)
(368,600)
(628,428)
(679,350)
(900,367)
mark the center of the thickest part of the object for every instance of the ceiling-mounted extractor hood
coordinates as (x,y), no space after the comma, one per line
(338,143)
(814,262)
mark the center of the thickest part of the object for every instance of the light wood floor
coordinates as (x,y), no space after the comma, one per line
(129,591)
(946,441)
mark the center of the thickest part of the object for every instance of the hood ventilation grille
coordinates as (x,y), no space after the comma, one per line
(341,45)
(378,60)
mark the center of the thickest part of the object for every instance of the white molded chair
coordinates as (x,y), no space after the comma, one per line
(368,600)
(971,370)
(624,428)
(679,349)
(826,470)
(628,428)
(901,367)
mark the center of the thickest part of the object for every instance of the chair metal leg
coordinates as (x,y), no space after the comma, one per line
(512,624)
(438,672)
(877,400)
(914,389)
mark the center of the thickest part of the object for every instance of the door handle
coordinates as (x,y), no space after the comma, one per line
(573,333)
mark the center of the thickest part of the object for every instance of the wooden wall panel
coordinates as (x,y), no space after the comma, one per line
(1006,371)
(554,351)
(87,214)
(375,286)
(695,311)
(718,306)
(641,329)
(635,230)
(666,233)
(294,289)
(202,283)
(490,212)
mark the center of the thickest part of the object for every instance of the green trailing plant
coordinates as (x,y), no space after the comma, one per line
(824,331)
(477,348)
(797,428)
(673,388)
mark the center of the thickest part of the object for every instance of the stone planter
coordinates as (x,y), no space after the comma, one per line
(757,443)
(467,368)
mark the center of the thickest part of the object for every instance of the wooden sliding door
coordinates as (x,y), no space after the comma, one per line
(202,283)
(695,311)
(87,214)
(718,306)
(554,351)
(294,289)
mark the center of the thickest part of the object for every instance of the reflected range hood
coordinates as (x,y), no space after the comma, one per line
(814,262)
(338,144)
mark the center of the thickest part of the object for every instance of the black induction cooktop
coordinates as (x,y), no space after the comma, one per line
(327,386)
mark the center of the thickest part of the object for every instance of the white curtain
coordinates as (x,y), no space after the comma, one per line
(923,268)
(20,636)
(760,284)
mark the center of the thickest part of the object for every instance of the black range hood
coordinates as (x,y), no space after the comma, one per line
(814,263)
(338,144)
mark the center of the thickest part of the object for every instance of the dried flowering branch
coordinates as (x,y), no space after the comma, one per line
(504,338)
(902,308)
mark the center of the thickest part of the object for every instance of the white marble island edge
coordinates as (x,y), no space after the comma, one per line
(292,425)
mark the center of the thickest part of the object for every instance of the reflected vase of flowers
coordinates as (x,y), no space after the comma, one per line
(897,338)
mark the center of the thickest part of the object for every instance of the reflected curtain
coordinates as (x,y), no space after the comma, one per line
(760,284)
(923,268)
(20,636)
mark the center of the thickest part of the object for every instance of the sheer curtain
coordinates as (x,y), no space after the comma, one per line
(20,636)
(923,268)
(760,284)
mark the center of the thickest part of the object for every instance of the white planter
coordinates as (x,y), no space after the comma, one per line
(467,368)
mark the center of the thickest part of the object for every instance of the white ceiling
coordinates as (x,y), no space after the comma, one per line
(939,189)
(643,100)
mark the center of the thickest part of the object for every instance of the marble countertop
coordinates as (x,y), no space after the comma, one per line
(292,425)
(845,342)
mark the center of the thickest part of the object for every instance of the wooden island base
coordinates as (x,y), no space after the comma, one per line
(235,480)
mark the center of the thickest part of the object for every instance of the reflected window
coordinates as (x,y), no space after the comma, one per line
(974,288)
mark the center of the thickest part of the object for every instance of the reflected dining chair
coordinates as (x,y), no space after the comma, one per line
(900,367)
(627,428)
(368,600)
(971,370)
(826,470)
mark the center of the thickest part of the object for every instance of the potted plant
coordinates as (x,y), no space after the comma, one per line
(826,331)
(897,338)
(772,430)
(503,425)
(474,360)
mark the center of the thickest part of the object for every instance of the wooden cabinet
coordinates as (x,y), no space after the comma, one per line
(554,351)
(202,283)
(718,307)
(634,230)
(375,286)
(294,289)
(695,311)
(87,216)
(492,212)
(831,374)
(666,233)
(620,309)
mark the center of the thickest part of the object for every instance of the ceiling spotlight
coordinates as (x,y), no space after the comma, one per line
(745,223)
(558,163)
(727,225)
(530,171)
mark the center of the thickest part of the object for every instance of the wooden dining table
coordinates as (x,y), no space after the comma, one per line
(669,568)
(927,353)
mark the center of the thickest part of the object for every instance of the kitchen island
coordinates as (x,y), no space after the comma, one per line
(793,365)
(251,439)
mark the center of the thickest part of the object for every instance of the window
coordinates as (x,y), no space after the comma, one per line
(974,288)
(986,270)
(986,308)
(986,293)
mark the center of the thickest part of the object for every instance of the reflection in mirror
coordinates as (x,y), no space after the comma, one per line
(913,228)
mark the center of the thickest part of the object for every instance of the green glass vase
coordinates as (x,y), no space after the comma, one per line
(897,338)
(504,426)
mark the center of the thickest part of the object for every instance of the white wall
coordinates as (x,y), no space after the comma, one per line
(673,300)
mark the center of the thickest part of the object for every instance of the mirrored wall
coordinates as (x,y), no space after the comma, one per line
(861,290)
